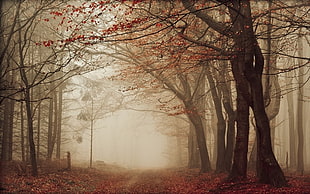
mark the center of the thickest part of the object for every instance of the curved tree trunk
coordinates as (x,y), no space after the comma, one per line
(239,166)
(196,120)
(268,169)
(247,73)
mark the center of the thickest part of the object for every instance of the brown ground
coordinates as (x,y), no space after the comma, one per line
(112,179)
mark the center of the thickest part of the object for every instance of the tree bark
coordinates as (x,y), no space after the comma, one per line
(11,120)
(193,151)
(268,169)
(59,116)
(8,119)
(239,166)
(55,121)
(193,113)
(50,129)
(7,133)
(300,104)
(22,131)
(292,131)
(32,148)
(39,130)
(196,120)
(225,89)
(29,114)
(221,125)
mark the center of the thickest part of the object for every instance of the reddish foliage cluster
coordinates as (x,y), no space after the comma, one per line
(123,26)
(77,18)
(172,110)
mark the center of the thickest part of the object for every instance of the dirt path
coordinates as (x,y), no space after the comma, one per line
(178,181)
(81,180)
(149,181)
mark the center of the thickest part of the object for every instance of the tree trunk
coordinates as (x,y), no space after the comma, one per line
(239,166)
(30,133)
(230,141)
(91,134)
(221,125)
(225,88)
(39,130)
(292,129)
(213,128)
(22,131)
(7,127)
(300,104)
(199,100)
(50,129)
(53,119)
(201,140)
(247,73)
(268,169)
(29,114)
(55,123)
(59,116)
(193,151)
(11,120)
(272,90)
(8,119)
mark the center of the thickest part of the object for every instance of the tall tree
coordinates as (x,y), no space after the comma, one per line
(221,124)
(188,92)
(292,129)
(241,48)
(20,54)
(59,122)
(300,110)
(7,79)
(29,110)
(248,75)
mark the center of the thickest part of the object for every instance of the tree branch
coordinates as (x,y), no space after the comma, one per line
(203,15)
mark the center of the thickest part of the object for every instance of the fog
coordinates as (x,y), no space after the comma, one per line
(126,138)
(142,93)
(282,131)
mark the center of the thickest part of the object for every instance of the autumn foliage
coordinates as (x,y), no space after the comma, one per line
(114,180)
(172,52)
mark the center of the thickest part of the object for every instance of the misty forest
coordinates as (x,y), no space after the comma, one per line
(175,96)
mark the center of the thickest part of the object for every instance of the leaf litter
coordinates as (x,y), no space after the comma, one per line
(82,180)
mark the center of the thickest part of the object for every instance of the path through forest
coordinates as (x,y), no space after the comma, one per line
(83,180)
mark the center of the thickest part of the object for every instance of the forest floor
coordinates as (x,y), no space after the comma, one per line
(118,180)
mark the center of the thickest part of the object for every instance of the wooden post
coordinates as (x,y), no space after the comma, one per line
(68,161)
